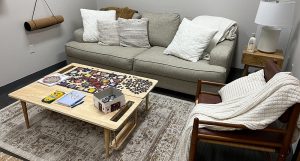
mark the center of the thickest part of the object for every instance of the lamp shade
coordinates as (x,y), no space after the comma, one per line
(275,14)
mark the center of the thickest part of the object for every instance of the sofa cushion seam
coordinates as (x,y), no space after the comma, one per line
(101,53)
(164,76)
(102,64)
(178,67)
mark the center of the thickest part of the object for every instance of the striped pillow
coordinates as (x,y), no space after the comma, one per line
(134,32)
(108,33)
(241,86)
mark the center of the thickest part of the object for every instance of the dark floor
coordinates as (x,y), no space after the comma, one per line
(207,152)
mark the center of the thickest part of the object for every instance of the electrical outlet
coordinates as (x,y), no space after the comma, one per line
(31,49)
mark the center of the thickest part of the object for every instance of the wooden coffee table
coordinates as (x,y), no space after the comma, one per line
(122,121)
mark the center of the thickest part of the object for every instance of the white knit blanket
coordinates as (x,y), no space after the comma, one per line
(226,28)
(256,110)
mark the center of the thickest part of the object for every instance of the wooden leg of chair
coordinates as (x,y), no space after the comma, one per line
(194,141)
(268,155)
(246,67)
(281,157)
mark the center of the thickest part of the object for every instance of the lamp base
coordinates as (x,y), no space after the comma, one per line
(269,37)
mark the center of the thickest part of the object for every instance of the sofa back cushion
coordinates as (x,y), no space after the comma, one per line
(162,27)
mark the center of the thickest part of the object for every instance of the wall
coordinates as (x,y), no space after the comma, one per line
(293,52)
(242,11)
(48,44)
(294,45)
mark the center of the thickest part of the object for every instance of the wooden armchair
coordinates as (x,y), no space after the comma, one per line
(267,140)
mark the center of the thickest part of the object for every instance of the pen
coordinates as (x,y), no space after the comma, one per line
(77,104)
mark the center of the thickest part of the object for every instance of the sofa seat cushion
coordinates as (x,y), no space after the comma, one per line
(153,61)
(114,56)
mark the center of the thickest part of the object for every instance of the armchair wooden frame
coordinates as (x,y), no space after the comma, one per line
(269,139)
(199,89)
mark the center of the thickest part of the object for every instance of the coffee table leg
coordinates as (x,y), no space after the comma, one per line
(24,107)
(106,142)
(147,102)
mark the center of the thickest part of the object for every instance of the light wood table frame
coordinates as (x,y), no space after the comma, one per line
(121,121)
(258,59)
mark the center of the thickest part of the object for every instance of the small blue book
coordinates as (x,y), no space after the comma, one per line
(71,99)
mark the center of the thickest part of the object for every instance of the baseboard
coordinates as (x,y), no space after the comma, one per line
(32,77)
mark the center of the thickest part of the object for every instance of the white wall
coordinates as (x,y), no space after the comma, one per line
(15,59)
(242,11)
(294,45)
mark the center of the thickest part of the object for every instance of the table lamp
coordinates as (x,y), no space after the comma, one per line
(273,16)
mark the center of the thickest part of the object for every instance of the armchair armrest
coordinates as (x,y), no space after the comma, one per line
(239,126)
(78,35)
(222,124)
(212,83)
(222,54)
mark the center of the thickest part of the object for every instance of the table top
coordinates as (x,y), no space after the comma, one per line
(35,92)
(277,55)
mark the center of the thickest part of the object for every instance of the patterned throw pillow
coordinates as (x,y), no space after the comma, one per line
(89,20)
(134,32)
(241,86)
(108,33)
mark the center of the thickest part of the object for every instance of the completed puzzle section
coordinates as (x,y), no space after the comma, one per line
(91,81)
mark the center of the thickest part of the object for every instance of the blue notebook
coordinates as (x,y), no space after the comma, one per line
(71,99)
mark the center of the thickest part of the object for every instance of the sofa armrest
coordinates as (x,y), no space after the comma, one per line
(78,35)
(222,54)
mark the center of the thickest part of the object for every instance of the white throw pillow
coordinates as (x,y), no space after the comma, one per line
(89,20)
(134,32)
(108,33)
(190,41)
(241,86)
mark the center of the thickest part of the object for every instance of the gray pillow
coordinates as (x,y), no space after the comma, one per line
(133,32)
(108,33)
(162,27)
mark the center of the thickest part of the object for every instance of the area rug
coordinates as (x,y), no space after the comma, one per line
(5,157)
(55,137)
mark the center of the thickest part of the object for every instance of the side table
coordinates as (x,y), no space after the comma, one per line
(258,59)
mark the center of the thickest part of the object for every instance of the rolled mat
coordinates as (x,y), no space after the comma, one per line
(43,22)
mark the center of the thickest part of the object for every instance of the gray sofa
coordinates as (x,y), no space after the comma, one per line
(171,72)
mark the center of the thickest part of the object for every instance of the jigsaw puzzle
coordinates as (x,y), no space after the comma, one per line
(91,81)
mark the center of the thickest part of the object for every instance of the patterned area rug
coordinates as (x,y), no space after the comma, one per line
(55,137)
(5,157)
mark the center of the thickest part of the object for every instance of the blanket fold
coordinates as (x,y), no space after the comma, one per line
(226,28)
(256,110)
(125,12)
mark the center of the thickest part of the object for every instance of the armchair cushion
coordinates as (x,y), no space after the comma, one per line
(242,86)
